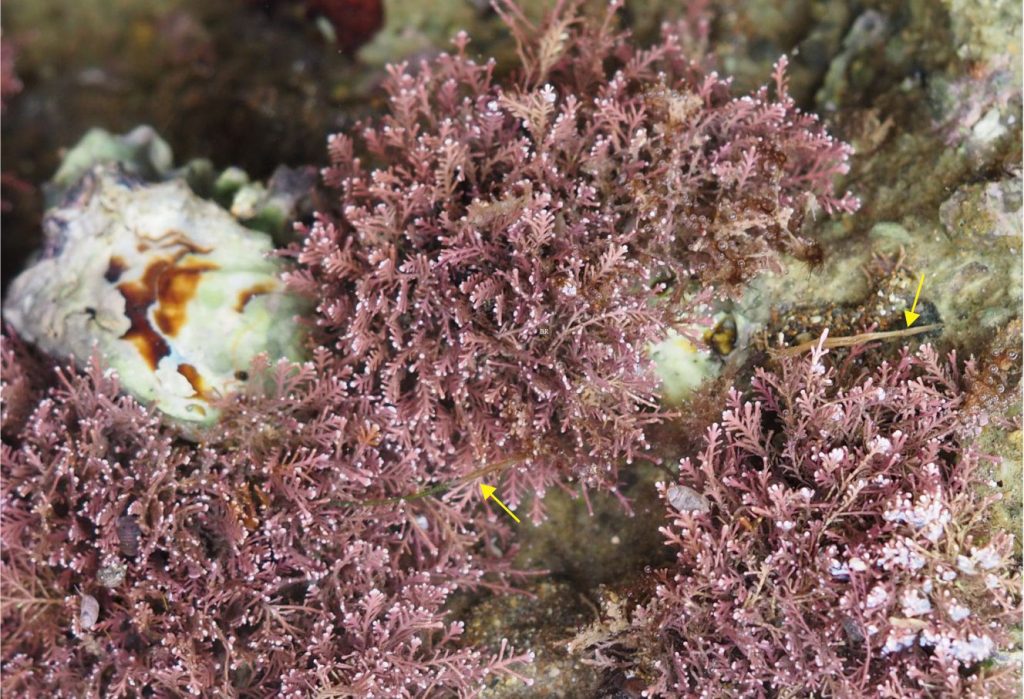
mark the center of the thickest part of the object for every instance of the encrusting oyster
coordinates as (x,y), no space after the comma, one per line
(176,295)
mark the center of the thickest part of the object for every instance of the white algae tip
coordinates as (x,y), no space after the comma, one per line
(176,296)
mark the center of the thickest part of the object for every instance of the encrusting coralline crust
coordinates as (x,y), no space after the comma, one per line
(499,260)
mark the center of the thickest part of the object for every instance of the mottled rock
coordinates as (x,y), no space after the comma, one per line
(984,213)
(853,66)
(111,574)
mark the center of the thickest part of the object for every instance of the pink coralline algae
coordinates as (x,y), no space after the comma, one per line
(841,550)
(136,563)
(489,280)
(498,261)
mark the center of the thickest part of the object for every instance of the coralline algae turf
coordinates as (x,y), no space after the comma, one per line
(934,136)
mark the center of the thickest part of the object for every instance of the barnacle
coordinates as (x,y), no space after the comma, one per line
(722,338)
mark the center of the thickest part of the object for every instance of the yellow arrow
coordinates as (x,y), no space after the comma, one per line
(910,315)
(488,492)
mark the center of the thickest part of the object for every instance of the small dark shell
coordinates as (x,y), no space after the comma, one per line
(128,533)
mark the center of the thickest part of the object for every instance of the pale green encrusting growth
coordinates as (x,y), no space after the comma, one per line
(681,367)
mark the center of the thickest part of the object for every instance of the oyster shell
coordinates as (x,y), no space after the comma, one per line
(175,294)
